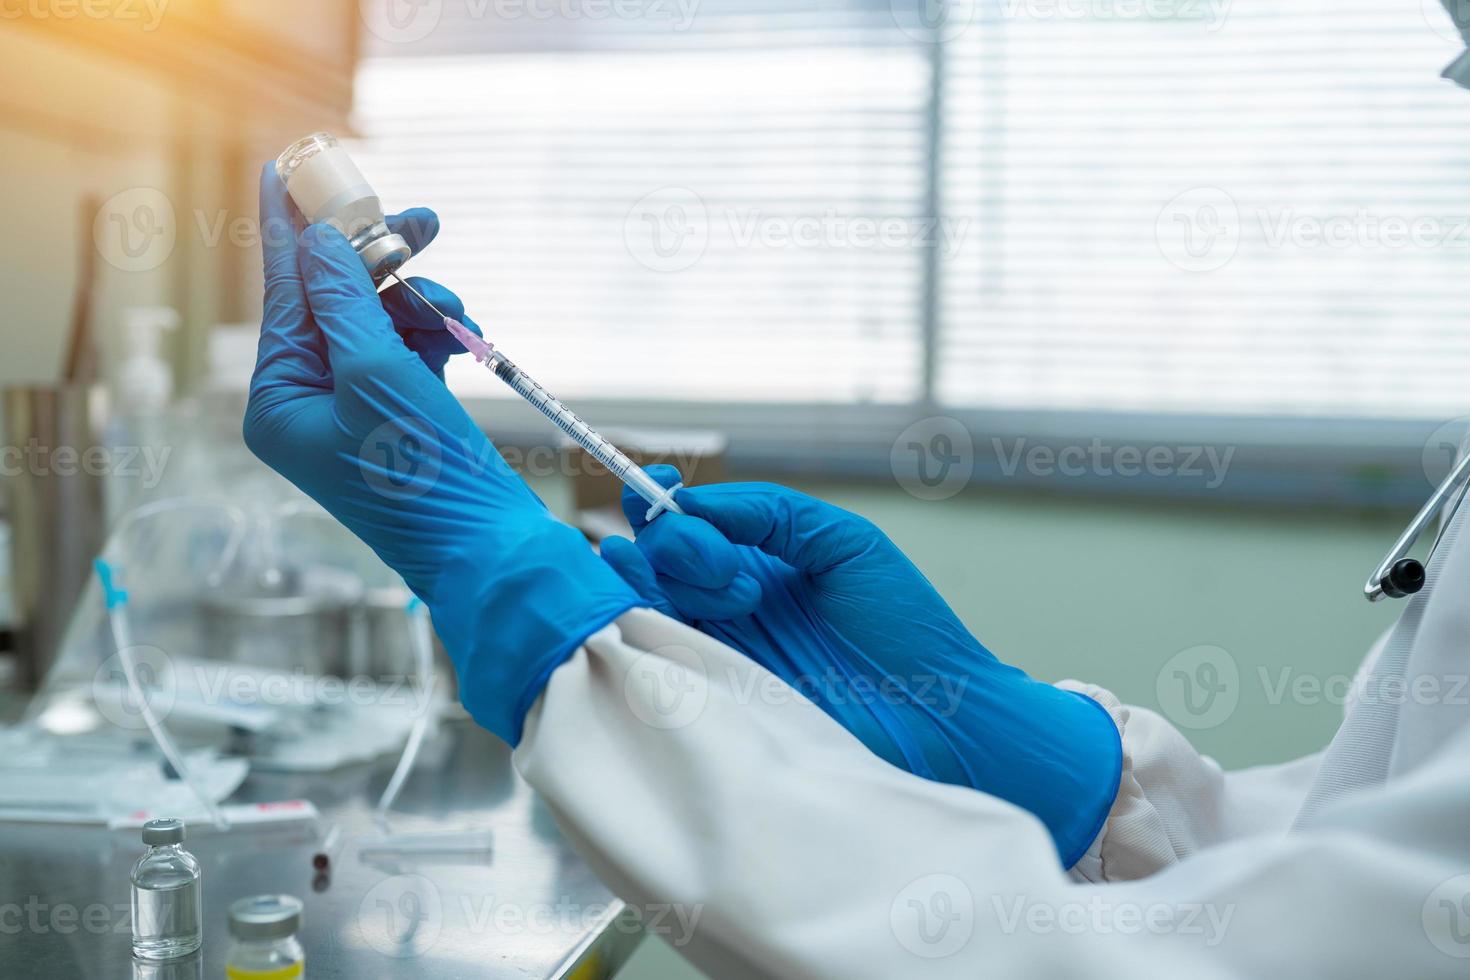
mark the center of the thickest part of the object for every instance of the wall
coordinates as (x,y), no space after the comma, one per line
(161,125)
(56,153)
(1109,590)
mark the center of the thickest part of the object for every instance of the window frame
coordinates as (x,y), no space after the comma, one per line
(1271,460)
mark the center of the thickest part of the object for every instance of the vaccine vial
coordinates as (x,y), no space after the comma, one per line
(166,895)
(264,929)
(327,187)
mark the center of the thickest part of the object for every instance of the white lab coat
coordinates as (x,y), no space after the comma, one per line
(688,775)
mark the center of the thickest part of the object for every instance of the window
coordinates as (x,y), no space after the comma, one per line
(1303,151)
(674,215)
(1163,208)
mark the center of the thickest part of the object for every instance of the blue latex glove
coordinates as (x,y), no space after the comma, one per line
(1459,70)
(1460,14)
(822,598)
(348,403)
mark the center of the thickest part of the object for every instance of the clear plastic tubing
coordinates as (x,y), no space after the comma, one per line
(659,499)
(327,187)
(166,895)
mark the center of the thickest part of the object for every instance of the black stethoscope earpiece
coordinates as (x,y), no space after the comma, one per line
(1404,579)
(1399,575)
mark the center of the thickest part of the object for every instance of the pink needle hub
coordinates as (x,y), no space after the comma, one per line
(482,349)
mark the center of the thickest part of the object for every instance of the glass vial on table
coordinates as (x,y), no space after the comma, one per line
(166,894)
(265,948)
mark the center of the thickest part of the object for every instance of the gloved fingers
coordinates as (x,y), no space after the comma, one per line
(410,313)
(802,531)
(741,598)
(421,328)
(635,508)
(292,350)
(430,351)
(345,304)
(689,550)
(278,230)
(623,557)
(434,349)
(418,226)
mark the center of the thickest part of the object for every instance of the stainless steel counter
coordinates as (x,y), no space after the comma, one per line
(531,909)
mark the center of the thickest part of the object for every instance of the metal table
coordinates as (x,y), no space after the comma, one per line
(531,909)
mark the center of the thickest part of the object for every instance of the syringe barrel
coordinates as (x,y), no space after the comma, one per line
(648,488)
(582,434)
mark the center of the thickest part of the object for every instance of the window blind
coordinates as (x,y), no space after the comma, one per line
(1248,207)
(1203,207)
(637,211)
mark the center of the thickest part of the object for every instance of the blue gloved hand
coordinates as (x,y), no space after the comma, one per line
(822,598)
(1458,70)
(348,403)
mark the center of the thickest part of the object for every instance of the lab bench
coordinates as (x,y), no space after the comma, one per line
(531,908)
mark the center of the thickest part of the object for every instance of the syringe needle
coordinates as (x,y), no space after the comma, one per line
(409,286)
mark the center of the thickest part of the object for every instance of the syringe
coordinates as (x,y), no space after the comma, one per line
(659,499)
(617,462)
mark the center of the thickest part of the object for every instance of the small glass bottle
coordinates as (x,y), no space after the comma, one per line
(264,928)
(327,187)
(166,895)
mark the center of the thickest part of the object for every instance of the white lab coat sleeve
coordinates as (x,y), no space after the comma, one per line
(763,840)
(1172,801)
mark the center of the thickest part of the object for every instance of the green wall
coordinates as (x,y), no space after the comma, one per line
(1108,591)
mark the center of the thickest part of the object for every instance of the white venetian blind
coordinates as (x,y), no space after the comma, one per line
(1318,262)
(633,210)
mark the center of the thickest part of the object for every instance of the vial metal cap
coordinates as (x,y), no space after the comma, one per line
(166,831)
(384,255)
(265,917)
